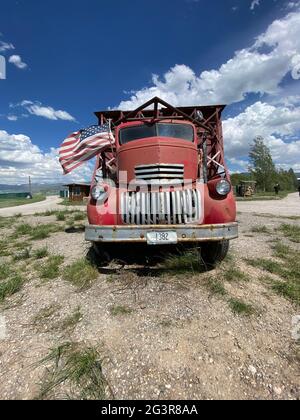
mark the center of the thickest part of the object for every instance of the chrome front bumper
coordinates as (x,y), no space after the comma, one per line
(138,234)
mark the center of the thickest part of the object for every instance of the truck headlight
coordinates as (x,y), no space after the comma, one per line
(223,187)
(98,192)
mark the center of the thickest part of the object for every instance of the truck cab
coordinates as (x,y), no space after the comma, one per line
(164,181)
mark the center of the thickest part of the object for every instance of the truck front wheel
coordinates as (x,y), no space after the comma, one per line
(213,253)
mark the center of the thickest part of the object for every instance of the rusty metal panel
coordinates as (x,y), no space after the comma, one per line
(185,233)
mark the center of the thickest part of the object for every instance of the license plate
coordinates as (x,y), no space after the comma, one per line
(158,238)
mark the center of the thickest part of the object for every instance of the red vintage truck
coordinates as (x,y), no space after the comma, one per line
(164,181)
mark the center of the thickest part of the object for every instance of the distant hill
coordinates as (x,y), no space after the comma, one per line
(36,188)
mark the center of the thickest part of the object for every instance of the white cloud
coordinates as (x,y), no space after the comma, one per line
(292,4)
(258,69)
(254,3)
(19,158)
(242,164)
(12,118)
(279,125)
(17,61)
(39,110)
(49,113)
(5,46)
(250,70)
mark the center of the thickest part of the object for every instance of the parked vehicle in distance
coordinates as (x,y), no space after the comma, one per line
(164,182)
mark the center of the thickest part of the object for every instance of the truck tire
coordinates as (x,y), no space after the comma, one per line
(213,253)
(97,255)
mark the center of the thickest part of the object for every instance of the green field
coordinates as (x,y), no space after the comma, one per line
(11,202)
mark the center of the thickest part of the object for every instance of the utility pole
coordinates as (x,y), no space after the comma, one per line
(30,188)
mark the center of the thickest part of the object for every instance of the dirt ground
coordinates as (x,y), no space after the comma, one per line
(176,340)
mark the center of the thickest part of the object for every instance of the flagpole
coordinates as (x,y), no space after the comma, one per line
(109,124)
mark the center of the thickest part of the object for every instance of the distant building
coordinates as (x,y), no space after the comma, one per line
(76,192)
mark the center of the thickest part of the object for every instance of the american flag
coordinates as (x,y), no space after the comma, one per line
(84,145)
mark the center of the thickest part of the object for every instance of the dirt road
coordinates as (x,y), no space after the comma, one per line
(175,334)
(289,206)
(51,203)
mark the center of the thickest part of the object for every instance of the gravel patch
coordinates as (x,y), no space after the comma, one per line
(176,340)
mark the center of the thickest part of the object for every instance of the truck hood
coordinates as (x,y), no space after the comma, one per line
(160,156)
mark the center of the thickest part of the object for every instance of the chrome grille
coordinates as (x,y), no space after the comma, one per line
(159,171)
(155,208)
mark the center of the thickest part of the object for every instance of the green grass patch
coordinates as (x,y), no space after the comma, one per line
(216,287)
(37,232)
(40,253)
(291,232)
(44,231)
(23,229)
(5,271)
(79,216)
(61,216)
(288,270)
(12,202)
(6,222)
(282,251)
(78,369)
(239,307)
(270,266)
(233,274)
(10,286)
(72,203)
(184,263)
(289,290)
(4,249)
(81,273)
(120,310)
(51,269)
(47,213)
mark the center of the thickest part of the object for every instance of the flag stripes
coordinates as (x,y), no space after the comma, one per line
(83,145)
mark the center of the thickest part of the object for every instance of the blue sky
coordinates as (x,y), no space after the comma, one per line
(66,60)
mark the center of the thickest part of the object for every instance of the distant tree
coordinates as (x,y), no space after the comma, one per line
(261,165)
(287,180)
(294,180)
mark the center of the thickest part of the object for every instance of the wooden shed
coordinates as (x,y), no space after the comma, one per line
(78,192)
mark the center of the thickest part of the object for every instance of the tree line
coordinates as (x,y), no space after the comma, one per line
(262,169)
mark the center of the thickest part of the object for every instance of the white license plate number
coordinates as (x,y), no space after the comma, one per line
(158,238)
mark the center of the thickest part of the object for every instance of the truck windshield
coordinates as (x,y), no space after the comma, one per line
(178,131)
